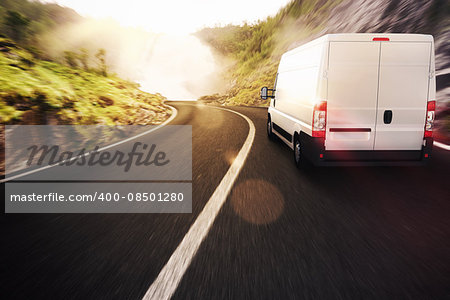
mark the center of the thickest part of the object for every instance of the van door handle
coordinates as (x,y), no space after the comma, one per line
(387,116)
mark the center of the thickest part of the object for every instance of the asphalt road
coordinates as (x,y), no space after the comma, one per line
(329,233)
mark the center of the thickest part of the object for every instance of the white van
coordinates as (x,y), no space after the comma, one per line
(356,99)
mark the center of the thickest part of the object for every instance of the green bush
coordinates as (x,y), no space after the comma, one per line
(33,91)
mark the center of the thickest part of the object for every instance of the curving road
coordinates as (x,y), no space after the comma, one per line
(371,233)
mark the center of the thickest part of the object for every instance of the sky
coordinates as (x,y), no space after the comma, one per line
(176,16)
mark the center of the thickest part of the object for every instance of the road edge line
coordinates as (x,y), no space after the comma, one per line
(442,145)
(171,274)
(172,116)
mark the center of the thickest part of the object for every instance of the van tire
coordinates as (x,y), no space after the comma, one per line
(299,159)
(270,134)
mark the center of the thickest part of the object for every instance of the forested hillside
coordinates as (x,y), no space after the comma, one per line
(27,21)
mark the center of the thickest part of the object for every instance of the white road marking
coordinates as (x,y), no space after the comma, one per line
(174,114)
(441,145)
(170,276)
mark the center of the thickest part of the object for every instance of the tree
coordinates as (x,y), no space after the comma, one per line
(83,57)
(101,57)
(71,59)
(17,24)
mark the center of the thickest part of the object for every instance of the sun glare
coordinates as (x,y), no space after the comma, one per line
(175,17)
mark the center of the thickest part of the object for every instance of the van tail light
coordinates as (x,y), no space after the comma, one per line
(319,119)
(431,109)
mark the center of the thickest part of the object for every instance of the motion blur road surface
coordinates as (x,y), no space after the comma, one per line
(325,233)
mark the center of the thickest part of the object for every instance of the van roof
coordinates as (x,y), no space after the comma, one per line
(365,37)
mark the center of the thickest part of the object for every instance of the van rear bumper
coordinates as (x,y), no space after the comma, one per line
(314,147)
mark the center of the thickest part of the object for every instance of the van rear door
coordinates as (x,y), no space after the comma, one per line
(402,95)
(352,95)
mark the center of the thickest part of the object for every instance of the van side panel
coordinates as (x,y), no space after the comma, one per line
(296,90)
(352,95)
(403,90)
(292,95)
(432,86)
